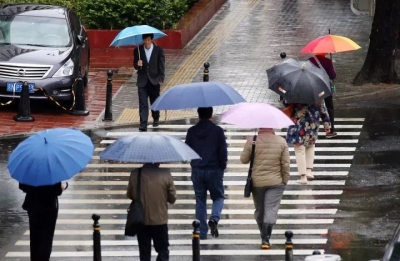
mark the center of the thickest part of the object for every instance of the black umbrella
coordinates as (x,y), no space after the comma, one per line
(299,81)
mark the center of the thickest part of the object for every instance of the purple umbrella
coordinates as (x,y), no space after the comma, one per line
(256,115)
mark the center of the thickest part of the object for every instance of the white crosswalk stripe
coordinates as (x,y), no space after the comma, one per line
(307,210)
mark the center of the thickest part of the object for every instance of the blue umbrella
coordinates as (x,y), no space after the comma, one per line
(50,156)
(197,94)
(149,148)
(133,35)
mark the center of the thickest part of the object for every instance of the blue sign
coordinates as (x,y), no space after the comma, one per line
(17,87)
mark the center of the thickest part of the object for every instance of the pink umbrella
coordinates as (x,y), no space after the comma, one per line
(256,115)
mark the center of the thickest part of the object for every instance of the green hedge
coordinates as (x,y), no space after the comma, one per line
(118,14)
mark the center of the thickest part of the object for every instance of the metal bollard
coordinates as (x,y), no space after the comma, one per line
(96,238)
(108,111)
(288,246)
(24,106)
(196,240)
(282,55)
(206,77)
(79,106)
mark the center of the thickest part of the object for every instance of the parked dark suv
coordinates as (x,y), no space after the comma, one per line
(46,46)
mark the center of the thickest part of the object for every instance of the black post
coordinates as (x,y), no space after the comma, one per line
(24,106)
(108,112)
(96,238)
(196,240)
(79,106)
(316,252)
(206,77)
(282,55)
(288,246)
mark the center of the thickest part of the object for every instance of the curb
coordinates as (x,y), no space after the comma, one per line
(366,94)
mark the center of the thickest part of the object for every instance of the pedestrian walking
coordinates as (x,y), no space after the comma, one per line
(304,133)
(327,65)
(270,174)
(41,203)
(157,189)
(208,140)
(149,61)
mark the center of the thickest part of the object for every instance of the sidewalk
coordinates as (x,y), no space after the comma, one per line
(245,38)
(241,41)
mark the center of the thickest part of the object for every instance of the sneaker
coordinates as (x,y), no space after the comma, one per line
(203,237)
(310,176)
(156,123)
(331,135)
(214,228)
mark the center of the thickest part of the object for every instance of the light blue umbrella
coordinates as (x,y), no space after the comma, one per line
(197,94)
(133,35)
(50,156)
(149,148)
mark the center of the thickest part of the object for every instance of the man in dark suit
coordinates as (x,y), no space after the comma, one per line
(149,62)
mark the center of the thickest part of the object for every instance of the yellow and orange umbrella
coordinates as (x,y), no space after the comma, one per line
(330,44)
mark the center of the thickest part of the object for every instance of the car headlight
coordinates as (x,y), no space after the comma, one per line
(66,70)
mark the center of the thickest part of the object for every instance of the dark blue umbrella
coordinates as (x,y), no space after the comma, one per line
(50,156)
(149,148)
(197,94)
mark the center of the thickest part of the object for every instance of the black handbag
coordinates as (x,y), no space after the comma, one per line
(135,217)
(248,186)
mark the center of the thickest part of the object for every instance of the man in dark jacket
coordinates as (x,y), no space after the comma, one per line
(208,140)
(330,70)
(42,205)
(149,62)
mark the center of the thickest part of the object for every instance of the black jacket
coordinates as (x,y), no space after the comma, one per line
(154,70)
(43,197)
(208,140)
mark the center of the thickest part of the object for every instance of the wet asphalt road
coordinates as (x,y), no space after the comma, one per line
(368,212)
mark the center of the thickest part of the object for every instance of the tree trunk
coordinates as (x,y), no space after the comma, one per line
(379,65)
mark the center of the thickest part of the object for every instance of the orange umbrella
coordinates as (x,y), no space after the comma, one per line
(330,44)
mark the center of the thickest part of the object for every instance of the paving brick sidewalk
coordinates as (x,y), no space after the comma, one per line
(245,38)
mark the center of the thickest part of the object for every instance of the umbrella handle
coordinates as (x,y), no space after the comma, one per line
(66,185)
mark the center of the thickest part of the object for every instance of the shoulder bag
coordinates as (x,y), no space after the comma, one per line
(135,217)
(248,186)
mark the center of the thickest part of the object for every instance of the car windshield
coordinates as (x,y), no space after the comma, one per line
(34,31)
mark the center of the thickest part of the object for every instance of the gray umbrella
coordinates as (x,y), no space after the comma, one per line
(299,81)
(149,148)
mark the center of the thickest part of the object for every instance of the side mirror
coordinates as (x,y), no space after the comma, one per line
(80,39)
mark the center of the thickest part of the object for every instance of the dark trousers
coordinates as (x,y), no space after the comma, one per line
(151,92)
(329,106)
(42,223)
(159,234)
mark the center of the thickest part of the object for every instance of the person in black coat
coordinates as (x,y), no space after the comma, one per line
(149,61)
(42,205)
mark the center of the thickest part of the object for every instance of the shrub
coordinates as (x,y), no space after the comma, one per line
(118,14)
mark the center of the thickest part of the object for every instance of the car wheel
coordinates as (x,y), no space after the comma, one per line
(66,104)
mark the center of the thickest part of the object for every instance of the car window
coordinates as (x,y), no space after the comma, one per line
(34,30)
(76,24)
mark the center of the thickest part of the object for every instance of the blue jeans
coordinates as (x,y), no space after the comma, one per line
(211,180)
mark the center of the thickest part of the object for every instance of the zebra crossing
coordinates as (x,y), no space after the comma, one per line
(307,210)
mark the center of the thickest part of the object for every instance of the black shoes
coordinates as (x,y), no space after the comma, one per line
(143,127)
(156,123)
(214,228)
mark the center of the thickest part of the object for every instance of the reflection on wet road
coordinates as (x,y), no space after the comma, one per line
(308,210)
